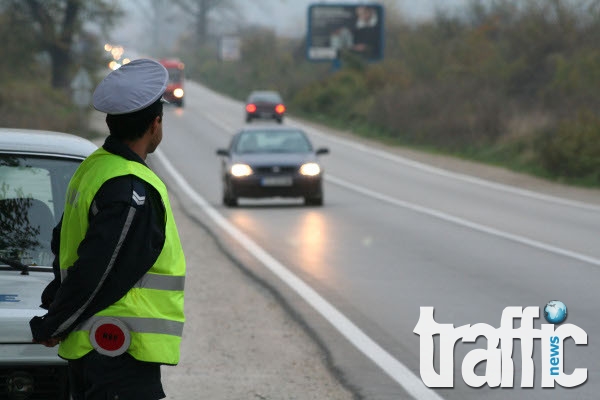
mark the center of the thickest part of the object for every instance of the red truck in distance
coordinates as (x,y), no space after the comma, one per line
(174,93)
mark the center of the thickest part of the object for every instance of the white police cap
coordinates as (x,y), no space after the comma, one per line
(132,87)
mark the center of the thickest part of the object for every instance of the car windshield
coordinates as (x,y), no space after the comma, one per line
(267,97)
(272,141)
(32,196)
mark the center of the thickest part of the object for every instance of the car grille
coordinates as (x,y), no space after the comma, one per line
(275,170)
(49,382)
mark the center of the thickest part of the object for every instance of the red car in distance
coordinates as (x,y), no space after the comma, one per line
(265,104)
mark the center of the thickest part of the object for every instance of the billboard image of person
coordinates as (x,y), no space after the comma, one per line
(334,28)
(367,32)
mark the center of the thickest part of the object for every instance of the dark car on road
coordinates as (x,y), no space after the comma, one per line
(265,104)
(271,161)
(35,169)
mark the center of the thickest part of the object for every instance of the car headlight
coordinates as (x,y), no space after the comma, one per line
(240,170)
(310,169)
(178,93)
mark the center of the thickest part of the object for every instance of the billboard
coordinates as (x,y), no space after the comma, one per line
(335,28)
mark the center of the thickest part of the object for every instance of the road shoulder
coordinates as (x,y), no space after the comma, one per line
(238,341)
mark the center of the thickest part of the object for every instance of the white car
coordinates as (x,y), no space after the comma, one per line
(35,169)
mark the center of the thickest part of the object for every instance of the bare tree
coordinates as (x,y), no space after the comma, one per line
(58,23)
(200,11)
(156,14)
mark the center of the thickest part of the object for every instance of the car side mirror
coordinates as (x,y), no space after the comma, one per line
(322,150)
(222,152)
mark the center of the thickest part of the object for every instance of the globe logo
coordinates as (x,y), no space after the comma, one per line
(555,312)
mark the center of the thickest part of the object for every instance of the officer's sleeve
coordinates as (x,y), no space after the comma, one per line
(124,238)
(50,291)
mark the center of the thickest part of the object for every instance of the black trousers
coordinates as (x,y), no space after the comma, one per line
(99,377)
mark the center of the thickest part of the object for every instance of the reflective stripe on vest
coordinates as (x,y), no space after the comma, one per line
(153,308)
(151,281)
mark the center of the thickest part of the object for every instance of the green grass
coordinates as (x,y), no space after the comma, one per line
(515,156)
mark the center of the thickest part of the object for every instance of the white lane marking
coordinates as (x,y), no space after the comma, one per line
(394,368)
(463,222)
(428,168)
(444,216)
(454,175)
(441,215)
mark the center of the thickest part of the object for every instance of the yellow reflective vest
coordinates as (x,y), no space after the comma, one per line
(153,308)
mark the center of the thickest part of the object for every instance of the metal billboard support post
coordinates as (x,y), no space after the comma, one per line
(336,64)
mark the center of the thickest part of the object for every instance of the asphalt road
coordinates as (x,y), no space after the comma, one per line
(396,234)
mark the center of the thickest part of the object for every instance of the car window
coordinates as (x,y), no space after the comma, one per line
(270,97)
(272,141)
(32,194)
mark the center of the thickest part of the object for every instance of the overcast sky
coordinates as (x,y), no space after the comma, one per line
(286,17)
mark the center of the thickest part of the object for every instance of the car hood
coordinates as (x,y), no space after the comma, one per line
(264,159)
(19,302)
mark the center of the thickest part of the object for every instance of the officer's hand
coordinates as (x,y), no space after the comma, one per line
(40,332)
(49,342)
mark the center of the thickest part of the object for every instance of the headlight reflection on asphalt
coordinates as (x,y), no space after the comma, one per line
(310,239)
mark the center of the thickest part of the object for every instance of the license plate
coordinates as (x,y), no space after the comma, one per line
(277,181)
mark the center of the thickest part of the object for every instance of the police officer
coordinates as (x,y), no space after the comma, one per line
(116,305)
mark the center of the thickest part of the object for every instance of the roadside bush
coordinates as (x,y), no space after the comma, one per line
(33,104)
(450,115)
(573,149)
(576,81)
(342,96)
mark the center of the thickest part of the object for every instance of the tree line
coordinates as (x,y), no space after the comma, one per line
(46,42)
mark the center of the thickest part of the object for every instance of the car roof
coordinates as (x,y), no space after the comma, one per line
(269,127)
(40,142)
